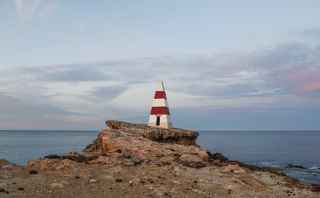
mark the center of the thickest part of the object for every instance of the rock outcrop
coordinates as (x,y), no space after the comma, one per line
(4,162)
(142,143)
(134,160)
(172,135)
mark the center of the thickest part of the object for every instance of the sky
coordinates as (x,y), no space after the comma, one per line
(227,65)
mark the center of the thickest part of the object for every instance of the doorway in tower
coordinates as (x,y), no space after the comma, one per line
(158,121)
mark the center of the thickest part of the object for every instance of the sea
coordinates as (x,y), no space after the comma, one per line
(262,148)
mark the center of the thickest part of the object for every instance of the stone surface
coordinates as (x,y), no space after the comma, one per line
(218,156)
(73,156)
(3,185)
(92,181)
(171,135)
(4,162)
(56,185)
(234,168)
(193,161)
(134,147)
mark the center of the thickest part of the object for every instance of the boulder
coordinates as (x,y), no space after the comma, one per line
(218,156)
(56,185)
(73,156)
(315,188)
(233,168)
(295,166)
(49,165)
(4,162)
(3,185)
(6,165)
(2,190)
(193,161)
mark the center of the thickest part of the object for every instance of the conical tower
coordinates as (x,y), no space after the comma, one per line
(160,114)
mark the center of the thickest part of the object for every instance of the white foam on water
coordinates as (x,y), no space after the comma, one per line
(315,168)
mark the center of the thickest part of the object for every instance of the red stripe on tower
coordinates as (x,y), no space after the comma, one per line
(160,95)
(160,111)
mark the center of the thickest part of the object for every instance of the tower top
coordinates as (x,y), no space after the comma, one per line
(160,86)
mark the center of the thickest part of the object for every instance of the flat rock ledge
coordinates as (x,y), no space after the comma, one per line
(172,135)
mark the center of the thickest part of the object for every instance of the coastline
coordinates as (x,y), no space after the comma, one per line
(134,161)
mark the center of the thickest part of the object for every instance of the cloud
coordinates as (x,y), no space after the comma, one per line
(109,92)
(28,9)
(76,74)
(16,113)
(313,33)
(282,70)
(312,86)
(282,78)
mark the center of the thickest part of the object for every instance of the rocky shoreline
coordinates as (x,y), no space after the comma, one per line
(134,160)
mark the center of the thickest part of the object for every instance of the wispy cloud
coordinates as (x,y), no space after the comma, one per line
(283,77)
(312,86)
(28,9)
(313,33)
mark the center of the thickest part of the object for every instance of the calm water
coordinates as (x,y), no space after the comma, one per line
(270,149)
(263,148)
(21,146)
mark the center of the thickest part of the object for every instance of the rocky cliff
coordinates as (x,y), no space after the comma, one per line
(134,160)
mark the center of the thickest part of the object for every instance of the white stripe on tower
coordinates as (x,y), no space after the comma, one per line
(159,102)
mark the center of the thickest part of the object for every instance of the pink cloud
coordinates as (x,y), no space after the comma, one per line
(304,74)
(305,80)
(312,86)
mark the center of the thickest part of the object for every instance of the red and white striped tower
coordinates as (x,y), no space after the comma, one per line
(160,114)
